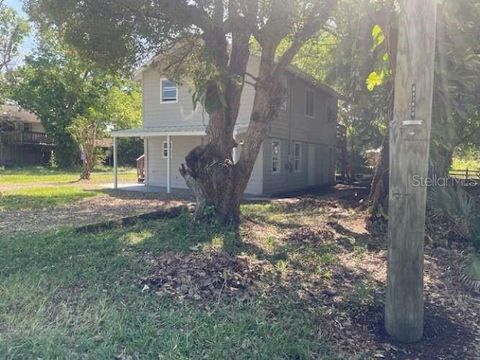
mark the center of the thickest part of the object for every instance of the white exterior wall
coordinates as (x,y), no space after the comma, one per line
(181,146)
(292,125)
(181,112)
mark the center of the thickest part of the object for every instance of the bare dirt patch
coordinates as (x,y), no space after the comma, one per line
(108,206)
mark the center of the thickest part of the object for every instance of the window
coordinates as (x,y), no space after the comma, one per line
(169,91)
(297,157)
(310,103)
(165,149)
(275,157)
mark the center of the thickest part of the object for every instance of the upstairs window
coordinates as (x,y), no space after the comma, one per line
(297,157)
(310,103)
(169,91)
(275,157)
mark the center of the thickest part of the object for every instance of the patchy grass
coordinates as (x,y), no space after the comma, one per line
(125,293)
(43,175)
(40,188)
(42,197)
(66,295)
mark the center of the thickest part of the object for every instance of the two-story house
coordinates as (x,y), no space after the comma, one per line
(299,151)
(22,137)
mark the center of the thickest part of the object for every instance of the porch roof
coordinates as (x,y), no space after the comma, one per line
(170,130)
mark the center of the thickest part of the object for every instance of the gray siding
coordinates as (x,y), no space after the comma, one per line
(181,146)
(292,122)
(157,165)
(181,112)
(156,113)
(316,134)
(317,166)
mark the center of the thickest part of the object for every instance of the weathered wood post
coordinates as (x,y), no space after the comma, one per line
(409,152)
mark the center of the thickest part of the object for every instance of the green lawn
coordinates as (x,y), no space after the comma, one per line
(65,295)
(38,187)
(43,197)
(38,175)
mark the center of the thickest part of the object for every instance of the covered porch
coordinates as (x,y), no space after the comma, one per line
(165,149)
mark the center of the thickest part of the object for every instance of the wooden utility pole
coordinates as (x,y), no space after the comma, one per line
(409,153)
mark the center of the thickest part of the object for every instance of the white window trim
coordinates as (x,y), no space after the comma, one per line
(309,91)
(169,150)
(299,157)
(279,160)
(161,92)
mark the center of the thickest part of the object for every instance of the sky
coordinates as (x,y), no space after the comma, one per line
(29,43)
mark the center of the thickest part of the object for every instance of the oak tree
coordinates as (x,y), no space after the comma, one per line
(217,36)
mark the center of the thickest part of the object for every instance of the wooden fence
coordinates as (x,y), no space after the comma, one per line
(465,174)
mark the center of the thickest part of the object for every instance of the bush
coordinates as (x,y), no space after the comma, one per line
(460,208)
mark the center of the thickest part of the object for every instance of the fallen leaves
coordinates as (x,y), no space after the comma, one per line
(206,277)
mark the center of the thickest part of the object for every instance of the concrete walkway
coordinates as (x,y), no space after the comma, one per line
(175,192)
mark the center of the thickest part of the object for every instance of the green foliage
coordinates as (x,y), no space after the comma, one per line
(58,86)
(129,149)
(457,81)
(378,36)
(314,57)
(471,272)
(459,207)
(466,157)
(357,67)
(13,30)
(384,67)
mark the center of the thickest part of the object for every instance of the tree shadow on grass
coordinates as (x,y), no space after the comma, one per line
(111,258)
(144,195)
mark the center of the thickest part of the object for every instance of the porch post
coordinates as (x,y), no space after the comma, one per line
(169,160)
(147,162)
(115,164)
(234,151)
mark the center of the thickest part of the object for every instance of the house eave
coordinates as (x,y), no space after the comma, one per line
(168,131)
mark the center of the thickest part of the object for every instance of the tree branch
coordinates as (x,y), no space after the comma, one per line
(312,25)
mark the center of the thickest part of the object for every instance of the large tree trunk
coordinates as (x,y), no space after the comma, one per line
(209,170)
(379,189)
(209,173)
(218,183)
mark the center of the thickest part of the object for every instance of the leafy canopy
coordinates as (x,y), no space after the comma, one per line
(58,86)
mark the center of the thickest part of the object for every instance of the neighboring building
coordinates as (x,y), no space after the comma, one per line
(22,138)
(299,151)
